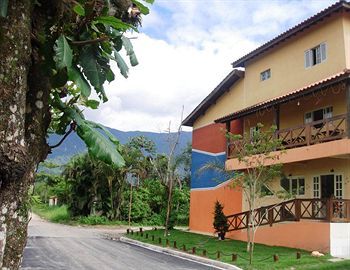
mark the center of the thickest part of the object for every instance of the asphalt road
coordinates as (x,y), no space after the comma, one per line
(55,246)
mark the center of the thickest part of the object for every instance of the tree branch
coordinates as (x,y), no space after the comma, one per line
(72,127)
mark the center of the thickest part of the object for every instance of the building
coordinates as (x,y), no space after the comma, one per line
(299,81)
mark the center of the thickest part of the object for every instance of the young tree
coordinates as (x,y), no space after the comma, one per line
(52,53)
(220,221)
(259,152)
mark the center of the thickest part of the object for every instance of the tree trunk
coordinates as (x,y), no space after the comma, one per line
(24,118)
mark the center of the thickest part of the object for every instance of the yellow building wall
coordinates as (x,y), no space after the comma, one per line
(229,102)
(287,66)
(309,169)
(346,26)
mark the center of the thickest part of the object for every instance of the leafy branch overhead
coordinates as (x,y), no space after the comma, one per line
(77,50)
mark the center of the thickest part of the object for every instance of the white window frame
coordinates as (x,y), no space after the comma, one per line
(318,52)
(297,177)
(316,186)
(339,192)
(326,115)
(265,75)
(252,130)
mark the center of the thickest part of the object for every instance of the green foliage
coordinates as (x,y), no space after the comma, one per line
(77,47)
(57,214)
(220,220)
(3,8)
(63,53)
(93,220)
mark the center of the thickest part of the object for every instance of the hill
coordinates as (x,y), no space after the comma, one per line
(74,145)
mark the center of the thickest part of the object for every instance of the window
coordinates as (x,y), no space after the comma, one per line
(253,131)
(319,114)
(265,191)
(315,55)
(265,75)
(294,185)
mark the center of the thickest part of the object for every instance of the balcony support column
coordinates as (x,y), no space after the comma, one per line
(276,118)
(348,108)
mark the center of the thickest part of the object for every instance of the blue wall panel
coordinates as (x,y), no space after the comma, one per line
(208,178)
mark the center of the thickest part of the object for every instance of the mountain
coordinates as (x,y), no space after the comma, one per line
(73,145)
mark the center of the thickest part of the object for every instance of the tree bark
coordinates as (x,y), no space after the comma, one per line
(24,118)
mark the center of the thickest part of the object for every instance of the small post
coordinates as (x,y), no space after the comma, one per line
(155,228)
(137,233)
(194,250)
(275,258)
(152,237)
(175,246)
(127,231)
(204,253)
(218,255)
(167,242)
(159,240)
(146,235)
(141,230)
(132,232)
(297,209)
(184,247)
(141,234)
(234,257)
(298,255)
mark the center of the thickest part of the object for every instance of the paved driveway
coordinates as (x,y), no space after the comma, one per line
(55,246)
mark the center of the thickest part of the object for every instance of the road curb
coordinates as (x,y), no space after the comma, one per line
(176,253)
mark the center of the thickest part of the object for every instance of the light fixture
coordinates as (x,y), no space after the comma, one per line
(298,103)
(332,170)
(290,175)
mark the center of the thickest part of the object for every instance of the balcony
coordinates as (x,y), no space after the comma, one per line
(313,133)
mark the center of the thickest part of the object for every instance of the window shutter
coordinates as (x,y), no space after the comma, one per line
(323,51)
(308,58)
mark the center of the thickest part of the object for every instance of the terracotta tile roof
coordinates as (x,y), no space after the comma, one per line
(337,7)
(293,94)
(225,85)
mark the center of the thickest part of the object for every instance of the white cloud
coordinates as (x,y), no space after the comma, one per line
(186,51)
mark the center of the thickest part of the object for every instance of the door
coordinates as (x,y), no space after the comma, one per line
(327,186)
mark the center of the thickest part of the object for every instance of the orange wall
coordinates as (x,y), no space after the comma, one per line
(202,205)
(309,235)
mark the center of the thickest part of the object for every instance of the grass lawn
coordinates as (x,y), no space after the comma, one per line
(263,255)
(60,214)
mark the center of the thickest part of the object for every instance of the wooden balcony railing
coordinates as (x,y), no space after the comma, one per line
(312,133)
(329,210)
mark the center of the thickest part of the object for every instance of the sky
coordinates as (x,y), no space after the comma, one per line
(185,48)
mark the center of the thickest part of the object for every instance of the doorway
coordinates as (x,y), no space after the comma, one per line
(324,186)
(327,186)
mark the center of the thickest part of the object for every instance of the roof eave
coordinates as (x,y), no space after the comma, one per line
(224,85)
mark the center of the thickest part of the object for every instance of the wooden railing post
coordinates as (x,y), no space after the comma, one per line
(270,216)
(308,134)
(297,209)
(329,210)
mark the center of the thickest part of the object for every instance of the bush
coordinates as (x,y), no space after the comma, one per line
(93,220)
